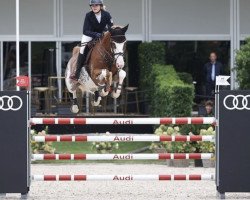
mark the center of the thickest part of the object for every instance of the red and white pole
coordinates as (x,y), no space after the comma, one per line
(162,156)
(124,121)
(123,138)
(193,177)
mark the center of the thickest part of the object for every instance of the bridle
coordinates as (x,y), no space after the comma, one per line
(118,54)
(111,58)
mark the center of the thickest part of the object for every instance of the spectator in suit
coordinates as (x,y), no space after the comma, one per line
(211,70)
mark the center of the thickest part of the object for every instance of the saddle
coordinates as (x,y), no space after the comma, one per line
(88,50)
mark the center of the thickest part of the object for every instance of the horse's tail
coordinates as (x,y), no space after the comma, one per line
(75,51)
(70,69)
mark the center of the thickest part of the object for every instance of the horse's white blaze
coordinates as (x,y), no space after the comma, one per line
(119,48)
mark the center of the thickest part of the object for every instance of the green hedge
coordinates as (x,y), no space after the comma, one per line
(186,77)
(149,54)
(170,96)
(243,65)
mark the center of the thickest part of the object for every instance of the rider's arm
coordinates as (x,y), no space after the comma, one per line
(110,21)
(87,28)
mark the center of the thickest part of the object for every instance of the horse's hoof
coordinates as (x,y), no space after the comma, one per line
(115,95)
(103,93)
(96,103)
(74,109)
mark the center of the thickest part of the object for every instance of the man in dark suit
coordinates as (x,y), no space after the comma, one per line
(211,70)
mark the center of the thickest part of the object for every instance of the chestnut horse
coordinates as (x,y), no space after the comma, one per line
(103,67)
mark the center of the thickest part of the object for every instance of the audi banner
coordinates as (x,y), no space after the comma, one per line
(233,141)
(14,142)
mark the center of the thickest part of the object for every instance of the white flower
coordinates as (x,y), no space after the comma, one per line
(210,129)
(43,132)
(176,128)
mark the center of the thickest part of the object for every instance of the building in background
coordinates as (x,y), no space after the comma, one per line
(190,28)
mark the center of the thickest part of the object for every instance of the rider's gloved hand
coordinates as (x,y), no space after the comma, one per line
(98,35)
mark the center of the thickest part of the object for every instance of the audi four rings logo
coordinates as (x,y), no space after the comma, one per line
(10,103)
(237,102)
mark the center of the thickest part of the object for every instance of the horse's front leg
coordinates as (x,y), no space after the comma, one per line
(108,81)
(101,77)
(117,92)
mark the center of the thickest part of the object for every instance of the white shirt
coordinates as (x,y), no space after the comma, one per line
(98,16)
(213,72)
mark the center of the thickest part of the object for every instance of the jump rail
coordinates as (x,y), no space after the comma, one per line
(125,121)
(122,138)
(162,156)
(194,177)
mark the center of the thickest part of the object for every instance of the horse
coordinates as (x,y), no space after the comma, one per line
(103,67)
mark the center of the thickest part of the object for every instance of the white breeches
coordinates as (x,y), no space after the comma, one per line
(85,39)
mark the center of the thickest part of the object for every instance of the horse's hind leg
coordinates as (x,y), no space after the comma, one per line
(97,99)
(74,105)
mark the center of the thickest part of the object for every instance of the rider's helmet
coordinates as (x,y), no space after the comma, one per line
(97,2)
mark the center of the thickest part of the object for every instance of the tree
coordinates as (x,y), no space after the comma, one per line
(243,65)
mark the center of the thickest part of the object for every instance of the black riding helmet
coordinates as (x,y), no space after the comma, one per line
(96,2)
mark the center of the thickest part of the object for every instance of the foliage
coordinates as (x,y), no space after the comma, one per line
(183,147)
(172,147)
(171,97)
(103,147)
(243,65)
(41,147)
(149,54)
(186,77)
(207,147)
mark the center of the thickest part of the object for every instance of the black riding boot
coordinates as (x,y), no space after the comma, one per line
(80,62)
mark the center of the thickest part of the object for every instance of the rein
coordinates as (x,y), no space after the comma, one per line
(107,57)
(110,58)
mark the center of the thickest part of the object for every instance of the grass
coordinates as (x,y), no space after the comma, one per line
(79,147)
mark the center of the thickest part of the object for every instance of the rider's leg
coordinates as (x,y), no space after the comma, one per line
(82,56)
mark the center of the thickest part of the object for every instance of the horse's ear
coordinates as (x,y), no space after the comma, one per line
(125,28)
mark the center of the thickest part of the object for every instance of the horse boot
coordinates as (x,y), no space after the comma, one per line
(80,61)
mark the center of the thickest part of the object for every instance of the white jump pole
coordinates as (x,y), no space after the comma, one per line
(17,43)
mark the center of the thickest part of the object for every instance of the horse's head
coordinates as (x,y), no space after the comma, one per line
(118,44)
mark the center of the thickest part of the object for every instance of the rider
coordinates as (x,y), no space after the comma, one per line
(95,23)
